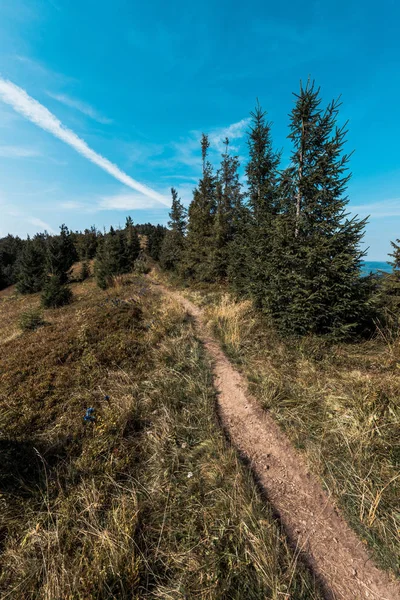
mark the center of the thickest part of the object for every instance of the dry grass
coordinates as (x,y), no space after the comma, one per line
(338,403)
(147,502)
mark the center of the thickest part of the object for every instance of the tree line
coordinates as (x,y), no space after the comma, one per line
(285,239)
(44,262)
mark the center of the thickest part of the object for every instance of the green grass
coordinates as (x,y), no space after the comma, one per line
(147,502)
(338,403)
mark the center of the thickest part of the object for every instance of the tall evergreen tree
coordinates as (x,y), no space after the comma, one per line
(61,254)
(155,239)
(173,243)
(262,179)
(132,243)
(112,257)
(316,247)
(199,244)
(10,250)
(228,196)
(390,286)
(32,266)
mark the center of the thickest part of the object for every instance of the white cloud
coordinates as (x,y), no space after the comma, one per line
(385,208)
(125,202)
(41,224)
(82,107)
(18,152)
(232,132)
(41,116)
(188,151)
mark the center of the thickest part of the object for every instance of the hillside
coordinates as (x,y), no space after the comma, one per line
(147,501)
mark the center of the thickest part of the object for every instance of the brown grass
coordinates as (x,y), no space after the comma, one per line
(338,403)
(147,502)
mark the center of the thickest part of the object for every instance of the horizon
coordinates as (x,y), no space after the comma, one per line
(99,121)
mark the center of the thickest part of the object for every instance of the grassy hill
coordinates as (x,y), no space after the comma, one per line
(337,402)
(146,501)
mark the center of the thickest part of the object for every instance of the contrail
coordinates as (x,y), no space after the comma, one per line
(37,113)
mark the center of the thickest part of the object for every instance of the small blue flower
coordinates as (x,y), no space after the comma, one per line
(89,418)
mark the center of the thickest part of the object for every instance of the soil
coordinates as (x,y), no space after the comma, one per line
(310,518)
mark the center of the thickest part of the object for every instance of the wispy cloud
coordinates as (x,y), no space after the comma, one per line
(124,202)
(377,210)
(37,113)
(187,150)
(232,132)
(18,152)
(40,224)
(82,107)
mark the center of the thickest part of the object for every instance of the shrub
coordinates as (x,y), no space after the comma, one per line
(85,271)
(31,319)
(55,293)
(142,266)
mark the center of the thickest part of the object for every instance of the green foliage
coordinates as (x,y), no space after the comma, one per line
(55,292)
(61,254)
(132,243)
(142,266)
(31,266)
(85,271)
(229,197)
(173,244)
(10,250)
(154,241)
(113,255)
(31,320)
(86,243)
(198,259)
(315,256)
(256,233)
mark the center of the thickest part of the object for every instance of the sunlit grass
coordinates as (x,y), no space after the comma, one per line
(148,501)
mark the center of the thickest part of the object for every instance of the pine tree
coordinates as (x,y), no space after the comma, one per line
(173,243)
(132,243)
(32,266)
(198,263)
(55,292)
(112,257)
(316,249)
(86,243)
(61,254)
(390,288)
(262,178)
(228,198)
(154,241)
(10,250)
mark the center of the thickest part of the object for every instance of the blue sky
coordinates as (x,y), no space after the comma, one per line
(139,81)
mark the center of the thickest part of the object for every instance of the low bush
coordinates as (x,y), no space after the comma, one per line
(55,293)
(31,319)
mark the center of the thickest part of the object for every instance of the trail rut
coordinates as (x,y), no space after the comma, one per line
(309,516)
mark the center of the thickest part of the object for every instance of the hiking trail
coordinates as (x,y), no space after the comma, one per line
(309,516)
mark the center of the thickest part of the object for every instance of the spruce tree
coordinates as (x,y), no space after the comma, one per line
(228,198)
(173,243)
(154,241)
(390,287)
(31,266)
(262,179)
(112,257)
(198,260)
(61,254)
(316,247)
(132,243)
(10,250)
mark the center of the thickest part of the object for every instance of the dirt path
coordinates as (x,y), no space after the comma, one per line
(310,518)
